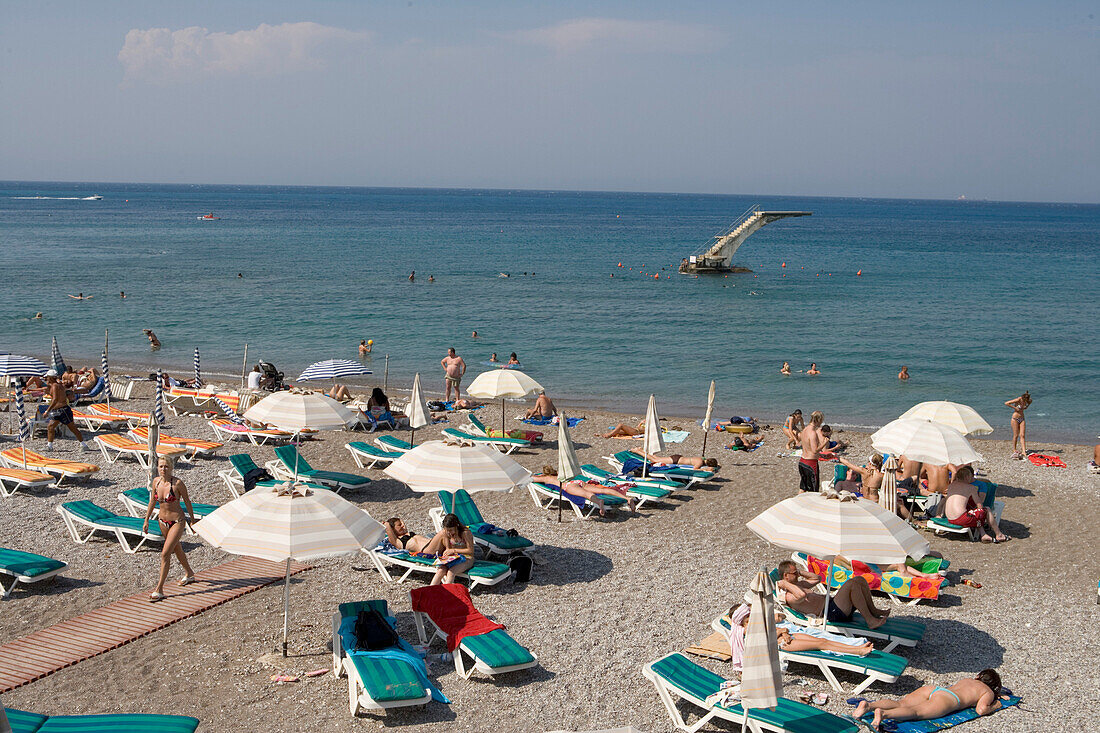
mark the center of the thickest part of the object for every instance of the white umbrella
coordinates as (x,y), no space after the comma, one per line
(296,411)
(151,441)
(15,365)
(653,441)
(502,384)
(963,418)
(569,466)
(706,417)
(888,492)
(290,522)
(924,441)
(440,466)
(761,681)
(417,411)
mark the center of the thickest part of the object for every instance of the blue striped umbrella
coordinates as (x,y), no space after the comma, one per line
(158,403)
(198,378)
(229,411)
(106,375)
(24,426)
(333,369)
(14,365)
(58,362)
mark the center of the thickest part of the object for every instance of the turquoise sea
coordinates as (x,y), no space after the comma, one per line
(981,300)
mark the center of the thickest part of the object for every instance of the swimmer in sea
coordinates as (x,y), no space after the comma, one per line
(81,296)
(813,370)
(431,278)
(412,276)
(903,375)
(154,342)
(786,368)
(122,294)
(474,335)
(493,357)
(38,315)
(513,360)
(365,347)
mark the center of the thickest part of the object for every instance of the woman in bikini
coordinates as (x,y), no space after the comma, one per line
(792,428)
(456,541)
(169,491)
(593,491)
(401,538)
(983,693)
(871,478)
(786,368)
(1019,427)
(793,638)
(622,430)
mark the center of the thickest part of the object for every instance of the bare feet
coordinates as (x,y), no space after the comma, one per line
(862,708)
(876,723)
(862,651)
(874,622)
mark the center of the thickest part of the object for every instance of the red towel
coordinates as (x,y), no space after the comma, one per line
(1042,460)
(450,607)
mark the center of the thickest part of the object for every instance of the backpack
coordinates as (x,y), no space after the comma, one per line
(520,566)
(372,632)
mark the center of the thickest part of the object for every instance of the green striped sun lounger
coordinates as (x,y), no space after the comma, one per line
(483,572)
(240,465)
(24,722)
(26,567)
(366,455)
(504,445)
(598,474)
(642,492)
(291,464)
(678,473)
(462,505)
(377,680)
(676,676)
(94,518)
(545,496)
(393,443)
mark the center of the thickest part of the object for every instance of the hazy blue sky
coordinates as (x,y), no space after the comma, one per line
(993,100)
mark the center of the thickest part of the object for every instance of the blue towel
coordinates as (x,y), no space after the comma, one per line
(630,466)
(573,421)
(387,549)
(936,724)
(406,653)
(676,436)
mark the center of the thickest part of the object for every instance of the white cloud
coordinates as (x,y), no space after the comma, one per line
(161,53)
(612,33)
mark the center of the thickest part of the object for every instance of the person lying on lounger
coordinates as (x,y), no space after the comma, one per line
(544,407)
(793,638)
(590,490)
(983,693)
(622,430)
(855,595)
(744,443)
(695,462)
(339,392)
(401,538)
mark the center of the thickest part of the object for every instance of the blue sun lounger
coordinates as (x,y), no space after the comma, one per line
(19,721)
(291,463)
(26,567)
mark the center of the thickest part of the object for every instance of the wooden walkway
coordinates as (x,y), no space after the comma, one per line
(62,645)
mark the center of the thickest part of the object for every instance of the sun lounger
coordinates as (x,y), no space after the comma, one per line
(23,722)
(688,475)
(393,443)
(676,676)
(25,458)
(366,455)
(225,429)
(134,419)
(184,401)
(122,446)
(121,389)
(92,421)
(486,644)
(240,465)
(378,680)
(506,443)
(26,567)
(95,518)
(596,473)
(901,588)
(193,447)
(482,573)
(371,422)
(545,496)
(462,505)
(641,492)
(13,479)
(290,464)
(137,500)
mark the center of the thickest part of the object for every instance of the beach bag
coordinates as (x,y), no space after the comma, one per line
(521,568)
(255,476)
(372,633)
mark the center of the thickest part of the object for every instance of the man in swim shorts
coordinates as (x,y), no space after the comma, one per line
(965,506)
(454,367)
(813,442)
(60,412)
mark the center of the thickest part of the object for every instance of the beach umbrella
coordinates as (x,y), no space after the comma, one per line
(653,441)
(829,523)
(151,443)
(450,466)
(55,356)
(888,493)
(924,441)
(417,411)
(706,417)
(158,401)
(24,426)
(106,375)
(229,411)
(502,384)
(333,368)
(198,376)
(963,418)
(569,466)
(290,522)
(761,680)
(296,411)
(15,365)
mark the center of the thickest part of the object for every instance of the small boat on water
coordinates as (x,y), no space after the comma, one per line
(93,197)
(208,217)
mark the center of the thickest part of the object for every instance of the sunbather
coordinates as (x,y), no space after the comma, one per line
(792,428)
(871,478)
(836,446)
(696,462)
(378,399)
(401,538)
(792,637)
(983,693)
(456,541)
(964,506)
(854,595)
(590,490)
(339,392)
(544,407)
(745,443)
(169,491)
(623,430)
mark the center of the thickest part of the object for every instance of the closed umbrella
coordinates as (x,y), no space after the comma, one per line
(706,417)
(158,401)
(55,355)
(290,522)
(440,466)
(888,493)
(653,441)
(924,441)
(502,384)
(106,376)
(151,442)
(198,375)
(296,411)
(963,418)
(229,411)
(417,411)
(761,681)
(24,426)
(569,466)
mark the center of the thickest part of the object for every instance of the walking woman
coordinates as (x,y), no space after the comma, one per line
(169,491)
(1019,427)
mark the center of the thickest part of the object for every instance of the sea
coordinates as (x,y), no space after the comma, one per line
(981,300)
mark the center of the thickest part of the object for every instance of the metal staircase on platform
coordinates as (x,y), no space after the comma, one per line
(717,255)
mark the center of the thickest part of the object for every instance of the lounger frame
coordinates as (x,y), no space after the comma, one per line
(139,453)
(16,579)
(390,443)
(358,699)
(53,470)
(367,460)
(120,534)
(16,484)
(656,472)
(381,560)
(504,445)
(544,498)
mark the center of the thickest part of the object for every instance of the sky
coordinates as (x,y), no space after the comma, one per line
(988,100)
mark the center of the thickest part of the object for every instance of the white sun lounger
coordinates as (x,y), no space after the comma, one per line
(546,496)
(13,479)
(482,573)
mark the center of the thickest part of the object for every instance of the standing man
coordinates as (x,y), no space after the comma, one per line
(454,367)
(813,442)
(60,413)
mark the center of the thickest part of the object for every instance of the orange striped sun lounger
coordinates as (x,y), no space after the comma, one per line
(228,430)
(13,479)
(25,458)
(193,446)
(133,418)
(123,446)
(98,422)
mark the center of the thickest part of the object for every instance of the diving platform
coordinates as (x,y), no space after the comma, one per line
(717,256)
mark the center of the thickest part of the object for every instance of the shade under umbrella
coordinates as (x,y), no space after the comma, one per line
(290,522)
(440,466)
(502,384)
(924,441)
(888,492)
(963,418)
(333,369)
(296,411)
(761,680)
(198,375)
(55,356)
(16,365)
(417,411)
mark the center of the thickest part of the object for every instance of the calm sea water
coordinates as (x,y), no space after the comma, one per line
(981,300)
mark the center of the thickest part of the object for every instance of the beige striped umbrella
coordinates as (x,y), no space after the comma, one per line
(295,411)
(924,441)
(502,384)
(290,522)
(569,466)
(440,466)
(888,493)
(417,411)
(761,681)
(963,418)
(653,442)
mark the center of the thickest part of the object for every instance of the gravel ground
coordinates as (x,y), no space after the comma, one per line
(611,595)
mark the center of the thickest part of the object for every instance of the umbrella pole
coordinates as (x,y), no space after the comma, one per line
(706,432)
(386,376)
(286,605)
(412,436)
(106,355)
(502,418)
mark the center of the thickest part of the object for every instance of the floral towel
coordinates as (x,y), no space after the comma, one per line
(890,581)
